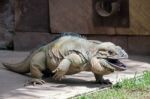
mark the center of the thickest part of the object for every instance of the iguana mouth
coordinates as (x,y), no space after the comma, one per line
(116,64)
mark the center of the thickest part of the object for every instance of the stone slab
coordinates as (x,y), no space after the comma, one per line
(7,14)
(26,41)
(139,45)
(11,84)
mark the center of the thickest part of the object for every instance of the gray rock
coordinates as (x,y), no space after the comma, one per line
(6,39)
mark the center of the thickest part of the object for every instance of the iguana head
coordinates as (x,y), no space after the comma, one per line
(111,54)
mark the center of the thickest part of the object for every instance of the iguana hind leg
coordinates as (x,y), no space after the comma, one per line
(37,65)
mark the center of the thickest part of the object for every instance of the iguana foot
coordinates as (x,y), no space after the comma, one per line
(101,80)
(59,74)
(35,82)
(104,81)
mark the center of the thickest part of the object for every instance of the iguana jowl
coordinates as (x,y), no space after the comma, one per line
(70,55)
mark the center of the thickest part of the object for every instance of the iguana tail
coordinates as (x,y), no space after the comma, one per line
(22,67)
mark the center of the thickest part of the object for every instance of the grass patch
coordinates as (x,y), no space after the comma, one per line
(135,88)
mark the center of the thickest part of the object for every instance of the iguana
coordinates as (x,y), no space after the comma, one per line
(69,55)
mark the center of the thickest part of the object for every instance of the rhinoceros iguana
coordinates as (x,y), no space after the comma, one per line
(69,55)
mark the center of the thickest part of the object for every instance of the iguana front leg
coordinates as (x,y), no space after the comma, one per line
(37,65)
(61,70)
(63,67)
(101,80)
(100,67)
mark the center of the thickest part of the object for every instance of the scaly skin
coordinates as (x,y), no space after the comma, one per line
(65,56)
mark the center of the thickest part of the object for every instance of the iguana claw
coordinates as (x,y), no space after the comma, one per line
(107,81)
(59,74)
(35,82)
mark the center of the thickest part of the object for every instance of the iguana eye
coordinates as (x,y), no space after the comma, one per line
(110,52)
(104,50)
(99,57)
